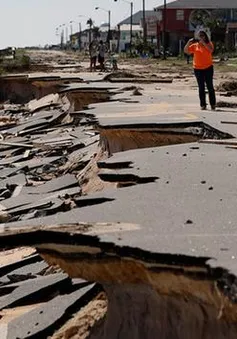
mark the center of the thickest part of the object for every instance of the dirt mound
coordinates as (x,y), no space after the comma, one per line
(79,327)
(227,86)
(121,74)
(226,104)
(131,88)
(137,92)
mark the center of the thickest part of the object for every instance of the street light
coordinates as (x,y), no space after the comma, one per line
(57,33)
(62,34)
(66,36)
(131,22)
(79,23)
(71,26)
(88,22)
(79,26)
(109,19)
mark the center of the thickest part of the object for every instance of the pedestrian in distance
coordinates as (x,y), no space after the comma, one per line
(202,50)
(188,58)
(101,55)
(93,48)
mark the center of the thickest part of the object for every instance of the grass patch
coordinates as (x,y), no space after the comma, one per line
(20,63)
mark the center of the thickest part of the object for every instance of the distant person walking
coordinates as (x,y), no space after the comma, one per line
(93,48)
(202,50)
(101,55)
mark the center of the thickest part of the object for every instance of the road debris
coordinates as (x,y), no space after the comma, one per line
(40,156)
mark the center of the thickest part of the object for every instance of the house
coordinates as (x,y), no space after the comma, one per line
(137,28)
(184,16)
(81,40)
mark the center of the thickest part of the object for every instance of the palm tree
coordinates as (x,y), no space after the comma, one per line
(96,31)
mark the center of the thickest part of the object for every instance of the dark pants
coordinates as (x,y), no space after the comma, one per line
(205,76)
(101,62)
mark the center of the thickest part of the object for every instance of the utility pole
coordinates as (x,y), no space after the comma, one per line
(58,34)
(164,29)
(119,37)
(62,36)
(90,23)
(144,22)
(62,39)
(79,37)
(71,33)
(131,21)
(109,29)
(80,30)
(90,32)
(109,23)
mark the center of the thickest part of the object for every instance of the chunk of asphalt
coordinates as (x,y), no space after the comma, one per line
(57,184)
(12,160)
(24,199)
(45,319)
(38,162)
(29,292)
(26,270)
(18,179)
(8,172)
(19,264)
(36,205)
(36,124)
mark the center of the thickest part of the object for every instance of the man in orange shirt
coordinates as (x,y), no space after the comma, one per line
(203,67)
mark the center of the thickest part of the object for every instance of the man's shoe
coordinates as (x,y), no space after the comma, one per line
(213,108)
(203,108)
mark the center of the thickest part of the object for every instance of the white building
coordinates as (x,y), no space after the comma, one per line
(124,41)
(151,17)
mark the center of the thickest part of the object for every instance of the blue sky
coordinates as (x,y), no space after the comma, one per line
(34,22)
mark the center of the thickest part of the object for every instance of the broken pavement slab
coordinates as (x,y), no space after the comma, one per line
(21,89)
(140,80)
(24,273)
(25,290)
(31,259)
(118,138)
(57,184)
(16,180)
(50,100)
(45,319)
(161,248)
(160,279)
(167,106)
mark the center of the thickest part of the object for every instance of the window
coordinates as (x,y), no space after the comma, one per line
(159,15)
(234,14)
(180,14)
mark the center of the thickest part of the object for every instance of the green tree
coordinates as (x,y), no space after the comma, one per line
(96,32)
(215,19)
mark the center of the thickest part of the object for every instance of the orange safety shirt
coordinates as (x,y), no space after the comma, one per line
(202,57)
